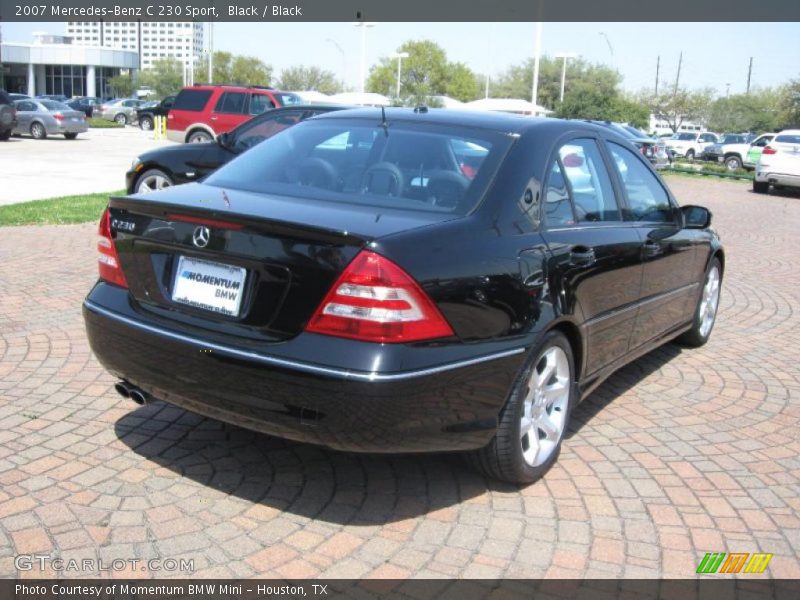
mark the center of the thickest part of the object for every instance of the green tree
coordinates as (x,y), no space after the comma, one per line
(231,68)
(581,77)
(758,111)
(426,72)
(303,78)
(789,105)
(680,105)
(122,85)
(165,77)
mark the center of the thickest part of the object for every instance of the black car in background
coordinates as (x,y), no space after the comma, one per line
(173,165)
(404,281)
(8,115)
(87,104)
(147,116)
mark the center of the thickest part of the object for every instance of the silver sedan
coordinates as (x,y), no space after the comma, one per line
(122,110)
(41,118)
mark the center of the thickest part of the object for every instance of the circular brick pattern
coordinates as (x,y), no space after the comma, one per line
(681,453)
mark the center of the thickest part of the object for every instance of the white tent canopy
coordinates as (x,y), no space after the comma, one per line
(513,105)
(313,96)
(361,99)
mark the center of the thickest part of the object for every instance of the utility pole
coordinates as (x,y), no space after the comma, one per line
(658,68)
(749,73)
(678,76)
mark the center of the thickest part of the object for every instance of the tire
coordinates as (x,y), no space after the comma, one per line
(760,187)
(705,315)
(153,180)
(146,123)
(38,132)
(733,163)
(690,154)
(511,456)
(121,119)
(4,135)
(199,137)
(70,136)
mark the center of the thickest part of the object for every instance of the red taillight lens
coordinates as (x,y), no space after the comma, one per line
(374,300)
(769,150)
(108,261)
(58,116)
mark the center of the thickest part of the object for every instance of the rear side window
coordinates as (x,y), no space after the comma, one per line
(4,98)
(260,103)
(788,139)
(231,103)
(592,195)
(288,99)
(192,100)
(647,198)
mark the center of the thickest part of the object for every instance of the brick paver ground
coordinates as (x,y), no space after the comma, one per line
(681,453)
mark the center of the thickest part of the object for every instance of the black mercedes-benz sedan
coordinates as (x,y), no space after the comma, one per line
(404,281)
(184,163)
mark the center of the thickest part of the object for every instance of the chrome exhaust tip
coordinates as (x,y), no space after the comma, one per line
(138,396)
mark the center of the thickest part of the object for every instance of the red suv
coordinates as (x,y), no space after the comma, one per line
(202,112)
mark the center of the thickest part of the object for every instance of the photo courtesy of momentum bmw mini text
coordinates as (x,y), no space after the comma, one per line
(399,300)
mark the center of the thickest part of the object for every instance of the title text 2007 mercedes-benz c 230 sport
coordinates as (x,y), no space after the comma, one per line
(404,281)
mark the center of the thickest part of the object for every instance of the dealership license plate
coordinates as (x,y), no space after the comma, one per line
(209,285)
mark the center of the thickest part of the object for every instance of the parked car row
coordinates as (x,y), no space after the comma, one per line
(22,115)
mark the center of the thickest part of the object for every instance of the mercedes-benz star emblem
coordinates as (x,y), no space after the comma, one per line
(201,236)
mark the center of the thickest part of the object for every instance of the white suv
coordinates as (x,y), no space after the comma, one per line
(779,164)
(691,143)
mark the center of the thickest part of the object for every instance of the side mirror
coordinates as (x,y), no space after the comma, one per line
(224,139)
(696,217)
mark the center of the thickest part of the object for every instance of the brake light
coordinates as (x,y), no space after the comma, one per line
(58,116)
(769,150)
(374,300)
(108,260)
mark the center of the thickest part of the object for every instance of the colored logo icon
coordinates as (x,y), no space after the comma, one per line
(735,562)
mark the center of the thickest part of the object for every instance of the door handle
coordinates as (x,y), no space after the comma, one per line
(582,256)
(213,117)
(651,249)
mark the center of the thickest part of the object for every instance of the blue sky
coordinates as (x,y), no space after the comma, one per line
(714,54)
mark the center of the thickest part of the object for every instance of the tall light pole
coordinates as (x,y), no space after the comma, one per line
(399,56)
(564,56)
(363,25)
(188,59)
(211,52)
(537,52)
(344,60)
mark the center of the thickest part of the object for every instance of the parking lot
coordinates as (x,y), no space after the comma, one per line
(681,453)
(94,162)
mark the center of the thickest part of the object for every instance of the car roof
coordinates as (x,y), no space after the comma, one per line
(497,121)
(788,132)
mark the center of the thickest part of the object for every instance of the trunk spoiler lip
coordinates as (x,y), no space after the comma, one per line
(165,211)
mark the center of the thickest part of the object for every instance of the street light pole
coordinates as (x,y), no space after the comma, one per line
(344,60)
(536,55)
(363,25)
(564,56)
(399,56)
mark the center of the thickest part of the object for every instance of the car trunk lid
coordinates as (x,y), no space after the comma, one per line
(242,264)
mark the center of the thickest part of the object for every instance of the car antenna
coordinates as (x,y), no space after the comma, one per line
(384,123)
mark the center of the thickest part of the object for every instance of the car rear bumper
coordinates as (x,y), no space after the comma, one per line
(71,128)
(440,407)
(784,179)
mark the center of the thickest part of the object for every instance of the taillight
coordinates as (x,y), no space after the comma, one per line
(374,300)
(108,260)
(769,150)
(58,116)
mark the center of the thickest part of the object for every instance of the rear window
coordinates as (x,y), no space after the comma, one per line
(788,139)
(686,136)
(192,100)
(417,166)
(53,105)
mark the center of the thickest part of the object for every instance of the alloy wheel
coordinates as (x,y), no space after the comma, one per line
(151,183)
(544,409)
(709,301)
